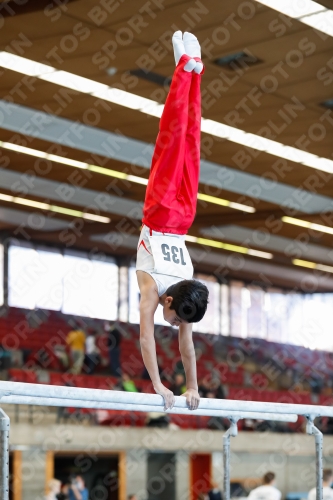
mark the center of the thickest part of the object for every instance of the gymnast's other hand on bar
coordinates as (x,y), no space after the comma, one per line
(168,396)
(192,398)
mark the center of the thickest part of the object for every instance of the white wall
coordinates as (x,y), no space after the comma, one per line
(290,456)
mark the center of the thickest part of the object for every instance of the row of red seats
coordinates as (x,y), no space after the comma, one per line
(130,355)
(139,419)
(268,396)
(51,322)
(37,340)
(40,341)
(88,381)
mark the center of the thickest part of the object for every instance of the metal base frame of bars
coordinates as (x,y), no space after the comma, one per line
(49,395)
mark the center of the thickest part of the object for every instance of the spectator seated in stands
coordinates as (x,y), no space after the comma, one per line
(249,424)
(178,387)
(217,389)
(155,419)
(113,343)
(128,384)
(325,424)
(316,384)
(179,368)
(60,353)
(5,359)
(216,423)
(76,341)
(204,387)
(145,375)
(92,352)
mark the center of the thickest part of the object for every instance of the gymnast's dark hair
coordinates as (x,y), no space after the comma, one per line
(190,299)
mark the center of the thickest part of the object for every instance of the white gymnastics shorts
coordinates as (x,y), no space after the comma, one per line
(176,262)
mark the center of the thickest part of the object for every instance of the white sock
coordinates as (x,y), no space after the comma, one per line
(198,67)
(192,48)
(191,44)
(178,46)
(190,65)
(179,51)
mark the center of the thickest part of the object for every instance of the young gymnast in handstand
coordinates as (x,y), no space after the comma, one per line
(164,268)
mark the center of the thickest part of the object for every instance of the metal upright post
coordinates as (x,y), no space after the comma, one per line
(232,431)
(4,455)
(312,430)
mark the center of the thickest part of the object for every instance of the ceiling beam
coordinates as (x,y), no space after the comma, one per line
(218,218)
(22,119)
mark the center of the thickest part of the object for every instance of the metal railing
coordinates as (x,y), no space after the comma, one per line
(50,395)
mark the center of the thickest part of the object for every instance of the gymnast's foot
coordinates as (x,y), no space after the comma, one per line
(179,51)
(192,49)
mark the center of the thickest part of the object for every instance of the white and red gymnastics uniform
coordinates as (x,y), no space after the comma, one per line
(171,195)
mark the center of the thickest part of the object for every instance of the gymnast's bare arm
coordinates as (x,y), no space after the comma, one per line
(148,304)
(186,348)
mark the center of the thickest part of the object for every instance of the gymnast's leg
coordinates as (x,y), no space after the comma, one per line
(164,205)
(190,181)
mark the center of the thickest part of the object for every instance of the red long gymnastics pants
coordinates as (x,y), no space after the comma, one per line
(172,190)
